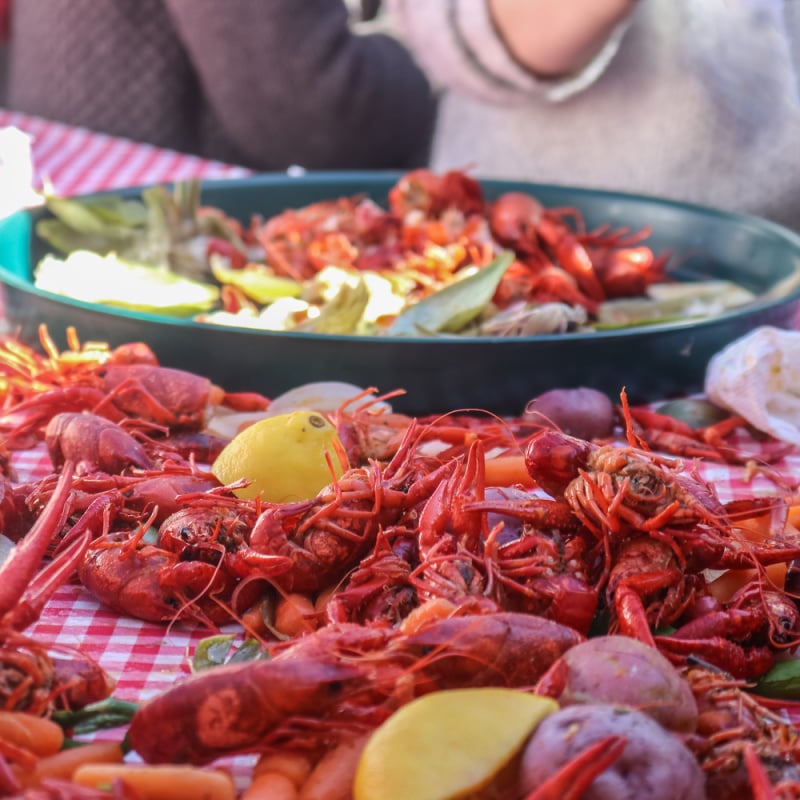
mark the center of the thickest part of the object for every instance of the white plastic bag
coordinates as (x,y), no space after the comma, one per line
(758,377)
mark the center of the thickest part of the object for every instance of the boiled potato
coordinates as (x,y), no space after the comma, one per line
(655,764)
(449,745)
(582,412)
(624,671)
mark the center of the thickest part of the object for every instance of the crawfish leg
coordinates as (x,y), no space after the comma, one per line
(576,776)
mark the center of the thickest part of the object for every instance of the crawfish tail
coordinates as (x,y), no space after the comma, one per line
(233,709)
(26,556)
(505,649)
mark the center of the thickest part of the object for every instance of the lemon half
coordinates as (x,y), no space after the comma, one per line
(288,457)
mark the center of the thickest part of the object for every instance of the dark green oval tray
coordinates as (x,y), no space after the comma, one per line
(497,374)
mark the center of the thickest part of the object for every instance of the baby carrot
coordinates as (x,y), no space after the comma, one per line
(270,786)
(65,762)
(295,766)
(724,587)
(433,609)
(295,615)
(40,735)
(507,471)
(332,777)
(161,782)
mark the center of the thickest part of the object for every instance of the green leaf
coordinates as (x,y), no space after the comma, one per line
(106,216)
(256,281)
(211,651)
(782,681)
(248,650)
(452,308)
(342,313)
(215,651)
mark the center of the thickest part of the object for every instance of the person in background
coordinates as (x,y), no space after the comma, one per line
(693,100)
(265,85)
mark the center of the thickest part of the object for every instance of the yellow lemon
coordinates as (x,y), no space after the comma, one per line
(448,745)
(283,456)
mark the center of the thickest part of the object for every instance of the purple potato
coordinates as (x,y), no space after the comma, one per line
(626,672)
(655,764)
(584,413)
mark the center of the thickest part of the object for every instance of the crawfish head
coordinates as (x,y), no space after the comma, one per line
(515,218)
(554,460)
(235,708)
(162,395)
(93,441)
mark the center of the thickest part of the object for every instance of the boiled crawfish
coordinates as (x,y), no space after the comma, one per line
(344,678)
(126,382)
(659,528)
(327,535)
(32,678)
(734,724)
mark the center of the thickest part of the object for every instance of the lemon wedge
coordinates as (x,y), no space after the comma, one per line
(448,745)
(288,457)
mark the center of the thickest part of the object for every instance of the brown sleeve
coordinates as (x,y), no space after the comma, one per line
(291,83)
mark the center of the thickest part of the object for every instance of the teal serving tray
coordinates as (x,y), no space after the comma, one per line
(445,374)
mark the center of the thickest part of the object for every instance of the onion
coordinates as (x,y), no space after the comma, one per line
(319,396)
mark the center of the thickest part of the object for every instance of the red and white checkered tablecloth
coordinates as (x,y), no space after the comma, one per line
(80,161)
(145,658)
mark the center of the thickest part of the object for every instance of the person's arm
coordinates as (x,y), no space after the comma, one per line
(555,38)
(291,83)
(505,51)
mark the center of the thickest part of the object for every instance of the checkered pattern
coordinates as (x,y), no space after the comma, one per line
(78,161)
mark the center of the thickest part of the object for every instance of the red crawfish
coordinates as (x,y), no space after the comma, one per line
(431,194)
(31,677)
(659,528)
(747,749)
(337,679)
(742,635)
(93,443)
(189,573)
(127,382)
(326,536)
(714,441)
(603,264)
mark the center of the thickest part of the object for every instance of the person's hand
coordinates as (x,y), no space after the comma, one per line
(555,38)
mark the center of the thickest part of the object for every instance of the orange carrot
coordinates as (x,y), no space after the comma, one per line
(754,529)
(332,777)
(294,615)
(507,471)
(727,584)
(436,608)
(65,762)
(253,621)
(40,735)
(323,597)
(270,786)
(295,766)
(161,782)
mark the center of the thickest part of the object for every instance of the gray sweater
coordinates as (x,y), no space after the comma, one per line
(263,83)
(695,100)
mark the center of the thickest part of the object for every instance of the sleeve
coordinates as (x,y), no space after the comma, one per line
(292,83)
(457,44)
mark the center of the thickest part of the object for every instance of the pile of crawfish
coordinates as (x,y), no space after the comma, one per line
(417,573)
(435,224)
